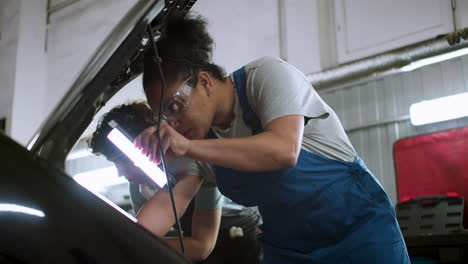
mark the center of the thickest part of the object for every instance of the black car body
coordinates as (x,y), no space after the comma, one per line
(45,216)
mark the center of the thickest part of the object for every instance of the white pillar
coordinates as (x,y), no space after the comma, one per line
(9,22)
(302,34)
(30,74)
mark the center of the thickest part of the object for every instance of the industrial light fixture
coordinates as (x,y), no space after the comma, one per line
(440,109)
(428,61)
(138,159)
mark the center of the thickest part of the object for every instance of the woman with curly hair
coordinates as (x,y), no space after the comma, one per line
(272,142)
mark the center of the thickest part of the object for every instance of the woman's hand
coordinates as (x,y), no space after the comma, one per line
(173,144)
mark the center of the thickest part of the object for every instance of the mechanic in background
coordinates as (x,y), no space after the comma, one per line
(236,241)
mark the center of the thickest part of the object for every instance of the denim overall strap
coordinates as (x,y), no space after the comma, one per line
(249,116)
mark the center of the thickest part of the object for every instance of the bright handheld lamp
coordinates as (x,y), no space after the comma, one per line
(440,109)
(138,159)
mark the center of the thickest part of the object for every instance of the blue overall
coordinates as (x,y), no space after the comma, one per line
(320,211)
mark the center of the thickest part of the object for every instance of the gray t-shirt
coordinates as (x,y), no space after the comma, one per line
(275,89)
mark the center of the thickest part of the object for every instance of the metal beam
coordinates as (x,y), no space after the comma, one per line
(388,62)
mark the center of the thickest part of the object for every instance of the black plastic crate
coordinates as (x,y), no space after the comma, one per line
(430,215)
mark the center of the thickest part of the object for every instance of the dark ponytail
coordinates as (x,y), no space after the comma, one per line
(185,47)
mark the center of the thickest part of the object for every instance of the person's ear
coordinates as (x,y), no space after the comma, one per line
(206,82)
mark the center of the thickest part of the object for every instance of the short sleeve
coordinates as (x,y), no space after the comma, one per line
(275,88)
(186,166)
(183,166)
(208,198)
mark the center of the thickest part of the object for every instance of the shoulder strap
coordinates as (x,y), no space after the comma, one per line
(249,116)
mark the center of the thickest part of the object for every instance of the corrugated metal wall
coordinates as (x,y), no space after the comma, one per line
(382,101)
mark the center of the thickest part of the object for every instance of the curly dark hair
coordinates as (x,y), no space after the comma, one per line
(134,117)
(185,48)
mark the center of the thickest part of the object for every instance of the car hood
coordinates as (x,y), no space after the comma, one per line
(47,217)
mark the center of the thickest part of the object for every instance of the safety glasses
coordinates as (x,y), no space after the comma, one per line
(178,102)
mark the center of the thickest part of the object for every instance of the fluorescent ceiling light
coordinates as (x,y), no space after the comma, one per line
(138,159)
(441,109)
(435,59)
(20,209)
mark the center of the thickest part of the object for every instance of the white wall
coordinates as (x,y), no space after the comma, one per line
(26,68)
(461,14)
(30,75)
(9,23)
(302,36)
(243,30)
(368,27)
